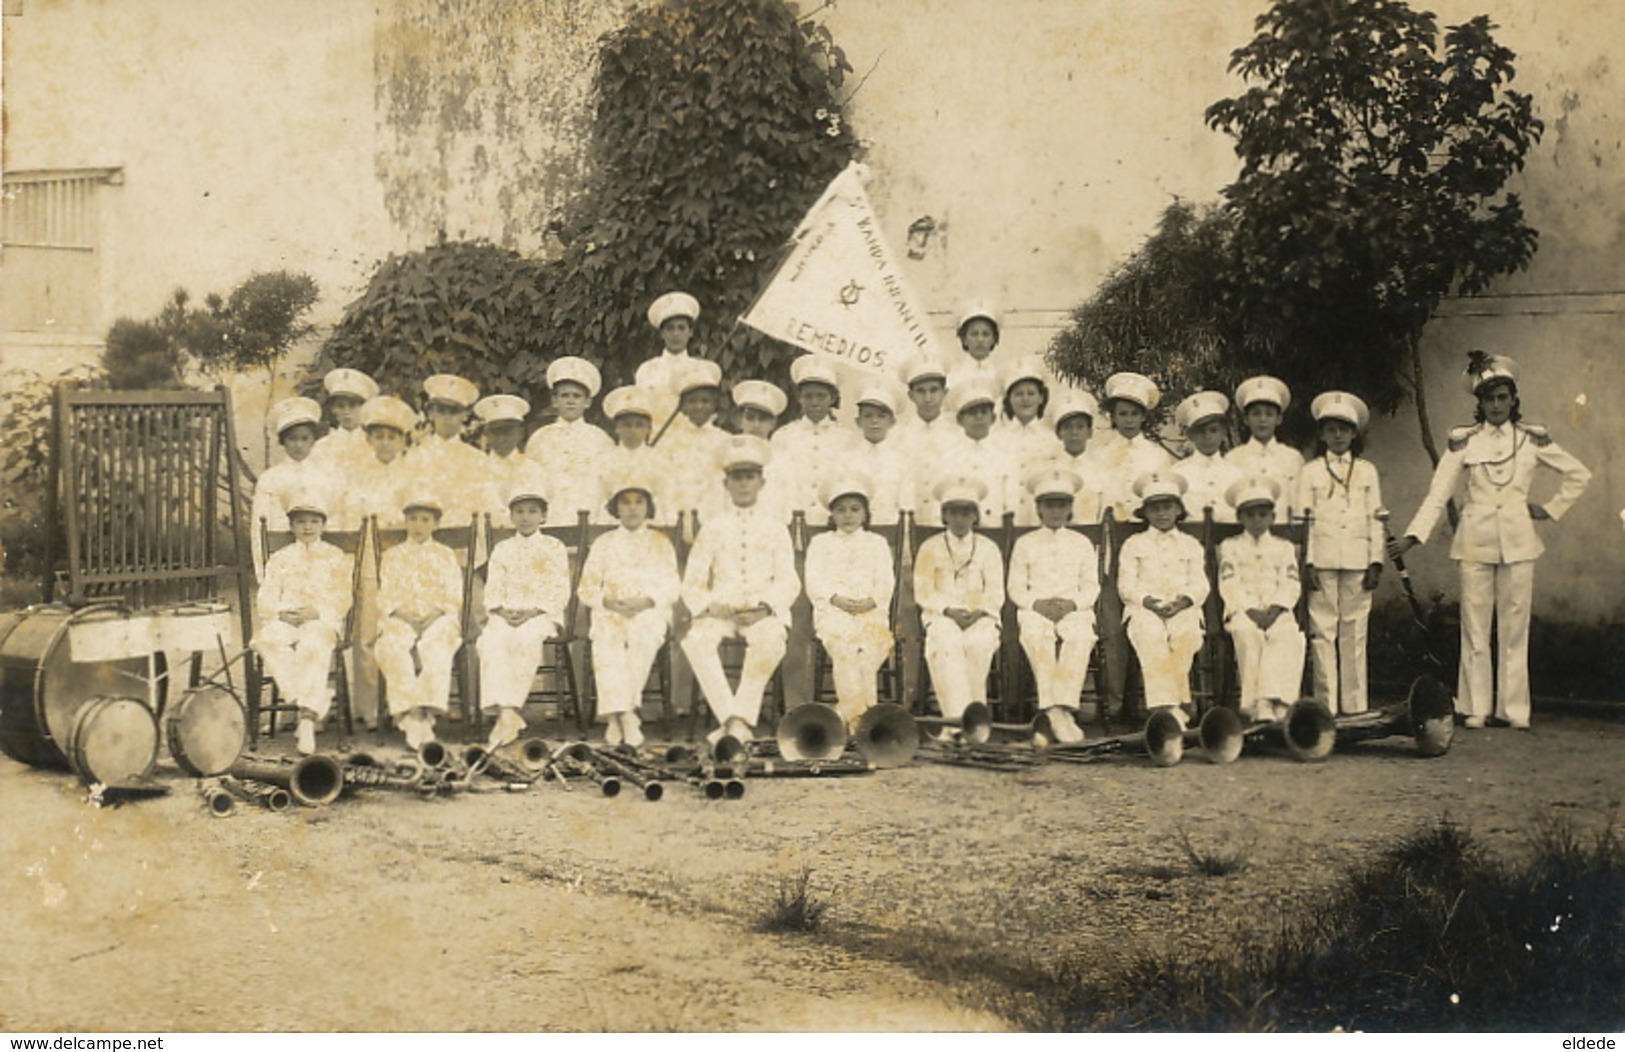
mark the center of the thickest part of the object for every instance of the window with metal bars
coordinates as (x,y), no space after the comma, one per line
(50,247)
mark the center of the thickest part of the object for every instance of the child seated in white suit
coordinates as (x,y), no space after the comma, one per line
(527,588)
(850,581)
(420,595)
(302,602)
(959,585)
(630,584)
(1054,582)
(1163,583)
(1258,579)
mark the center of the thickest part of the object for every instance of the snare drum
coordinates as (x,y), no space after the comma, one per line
(206,730)
(42,687)
(114,741)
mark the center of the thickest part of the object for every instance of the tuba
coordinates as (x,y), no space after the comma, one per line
(812,731)
(1428,717)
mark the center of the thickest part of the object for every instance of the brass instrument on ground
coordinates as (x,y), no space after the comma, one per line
(1307,731)
(813,731)
(218,802)
(807,768)
(270,797)
(887,736)
(1162,741)
(631,770)
(1428,717)
(314,781)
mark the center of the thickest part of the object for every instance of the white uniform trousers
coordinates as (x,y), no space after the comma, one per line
(623,651)
(765,643)
(1059,677)
(959,661)
(858,645)
(1504,591)
(1271,663)
(508,660)
(429,688)
(1339,617)
(1165,649)
(298,659)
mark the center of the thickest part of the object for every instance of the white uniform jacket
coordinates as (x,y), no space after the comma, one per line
(1499,464)
(376,489)
(663,373)
(1275,460)
(316,575)
(529,573)
(1342,495)
(1123,460)
(1257,574)
(857,565)
(420,578)
(983,460)
(1209,477)
(454,472)
(804,455)
(968,574)
(271,493)
(742,558)
(571,454)
(1054,564)
(887,467)
(341,451)
(693,480)
(628,564)
(1162,564)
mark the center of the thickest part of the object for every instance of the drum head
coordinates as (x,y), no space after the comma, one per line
(115,740)
(42,688)
(206,731)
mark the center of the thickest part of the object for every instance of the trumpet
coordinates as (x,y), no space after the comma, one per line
(314,781)
(1307,731)
(1428,717)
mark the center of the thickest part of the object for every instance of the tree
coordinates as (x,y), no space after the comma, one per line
(1373,180)
(1374,168)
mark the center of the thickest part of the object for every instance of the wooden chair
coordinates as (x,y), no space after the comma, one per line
(271,542)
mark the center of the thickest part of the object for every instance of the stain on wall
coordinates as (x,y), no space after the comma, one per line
(483,113)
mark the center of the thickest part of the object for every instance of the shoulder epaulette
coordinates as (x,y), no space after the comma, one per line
(1537,433)
(1460,435)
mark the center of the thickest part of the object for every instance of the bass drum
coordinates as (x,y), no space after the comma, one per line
(42,688)
(114,741)
(206,731)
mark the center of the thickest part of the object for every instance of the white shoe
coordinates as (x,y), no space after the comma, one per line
(1473,723)
(612,730)
(1064,727)
(418,730)
(305,737)
(509,725)
(632,729)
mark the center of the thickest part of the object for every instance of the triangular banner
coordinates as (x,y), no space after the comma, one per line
(840,292)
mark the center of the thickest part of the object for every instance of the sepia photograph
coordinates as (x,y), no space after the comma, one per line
(811,516)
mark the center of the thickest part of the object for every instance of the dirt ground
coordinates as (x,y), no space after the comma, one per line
(948,889)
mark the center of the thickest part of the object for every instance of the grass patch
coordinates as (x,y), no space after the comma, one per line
(1215,862)
(795,908)
(1434,934)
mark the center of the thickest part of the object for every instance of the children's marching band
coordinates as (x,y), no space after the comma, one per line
(966,453)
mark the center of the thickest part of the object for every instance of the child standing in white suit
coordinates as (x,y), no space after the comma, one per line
(1054,582)
(527,588)
(1340,493)
(302,603)
(1258,580)
(630,584)
(850,581)
(1163,583)
(420,595)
